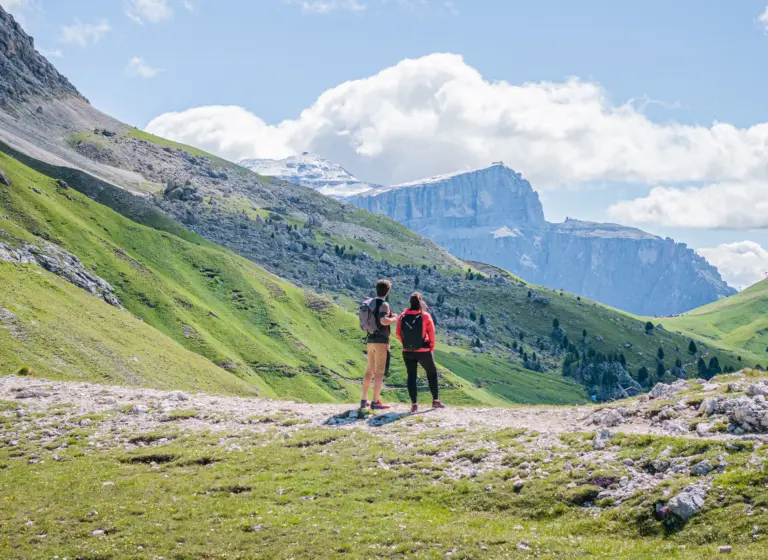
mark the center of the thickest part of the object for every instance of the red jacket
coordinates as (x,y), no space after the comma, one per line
(427,329)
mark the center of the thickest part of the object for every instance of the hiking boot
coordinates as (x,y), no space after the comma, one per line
(363,404)
(414,408)
(378,405)
(437,404)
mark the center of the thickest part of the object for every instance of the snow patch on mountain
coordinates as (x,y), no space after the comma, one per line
(506,232)
(311,171)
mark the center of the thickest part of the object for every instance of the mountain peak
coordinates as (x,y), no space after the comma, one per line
(312,171)
(25,74)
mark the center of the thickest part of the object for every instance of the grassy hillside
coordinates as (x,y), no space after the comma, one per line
(61,332)
(738,324)
(259,328)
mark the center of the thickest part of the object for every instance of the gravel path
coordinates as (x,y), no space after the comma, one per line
(150,408)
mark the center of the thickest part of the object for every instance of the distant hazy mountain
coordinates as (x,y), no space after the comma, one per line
(493,215)
(312,171)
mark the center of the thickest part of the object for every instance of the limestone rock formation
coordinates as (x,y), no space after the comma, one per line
(493,215)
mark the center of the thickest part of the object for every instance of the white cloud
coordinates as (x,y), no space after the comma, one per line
(153,11)
(763,19)
(56,53)
(730,205)
(190,5)
(83,33)
(327,6)
(14,5)
(741,264)
(138,68)
(437,114)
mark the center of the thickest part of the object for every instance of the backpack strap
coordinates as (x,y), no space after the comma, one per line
(379,303)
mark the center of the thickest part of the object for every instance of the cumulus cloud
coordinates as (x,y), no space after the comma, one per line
(153,11)
(730,205)
(327,6)
(741,264)
(138,68)
(437,114)
(763,19)
(84,33)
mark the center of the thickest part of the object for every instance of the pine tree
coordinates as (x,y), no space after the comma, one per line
(472,316)
(584,333)
(660,353)
(482,320)
(555,323)
(457,312)
(714,366)
(660,369)
(642,375)
(648,327)
(533,357)
(416,281)
(701,366)
(678,363)
(692,347)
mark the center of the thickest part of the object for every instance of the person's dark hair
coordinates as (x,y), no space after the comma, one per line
(383,287)
(417,302)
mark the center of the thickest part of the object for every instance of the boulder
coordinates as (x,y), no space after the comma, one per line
(4,179)
(702,468)
(709,406)
(601,438)
(759,388)
(675,427)
(688,503)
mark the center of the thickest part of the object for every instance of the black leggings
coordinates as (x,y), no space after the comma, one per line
(427,361)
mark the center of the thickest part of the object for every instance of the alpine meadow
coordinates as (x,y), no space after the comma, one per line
(184,339)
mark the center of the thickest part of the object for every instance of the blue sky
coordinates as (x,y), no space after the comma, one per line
(689,62)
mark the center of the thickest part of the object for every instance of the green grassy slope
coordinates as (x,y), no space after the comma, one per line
(62,332)
(737,324)
(216,304)
(525,387)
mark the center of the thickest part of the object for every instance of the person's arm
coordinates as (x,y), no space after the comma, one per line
(430,324)
(386,317)
(399,330)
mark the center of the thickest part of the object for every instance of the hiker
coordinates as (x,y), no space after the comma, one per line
(416,330)
(375,318)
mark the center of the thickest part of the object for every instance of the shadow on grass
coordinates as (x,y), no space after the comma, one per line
(371,418)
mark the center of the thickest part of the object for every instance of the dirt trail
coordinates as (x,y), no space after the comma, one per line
(225,413)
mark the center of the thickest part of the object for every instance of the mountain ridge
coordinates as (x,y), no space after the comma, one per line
(492,214)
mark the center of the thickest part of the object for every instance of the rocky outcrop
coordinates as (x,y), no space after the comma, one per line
(24,73)
(494,215)
(61,263)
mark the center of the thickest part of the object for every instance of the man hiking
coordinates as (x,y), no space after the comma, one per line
(375,318)
(416,330)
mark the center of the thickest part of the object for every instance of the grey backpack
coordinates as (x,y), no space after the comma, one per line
(368,312)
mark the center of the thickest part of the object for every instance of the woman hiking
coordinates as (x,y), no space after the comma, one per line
(416,331)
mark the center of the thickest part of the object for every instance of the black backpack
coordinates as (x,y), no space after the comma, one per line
(413,332)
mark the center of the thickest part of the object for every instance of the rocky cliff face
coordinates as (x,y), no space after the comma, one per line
(493,215)
(25,73)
